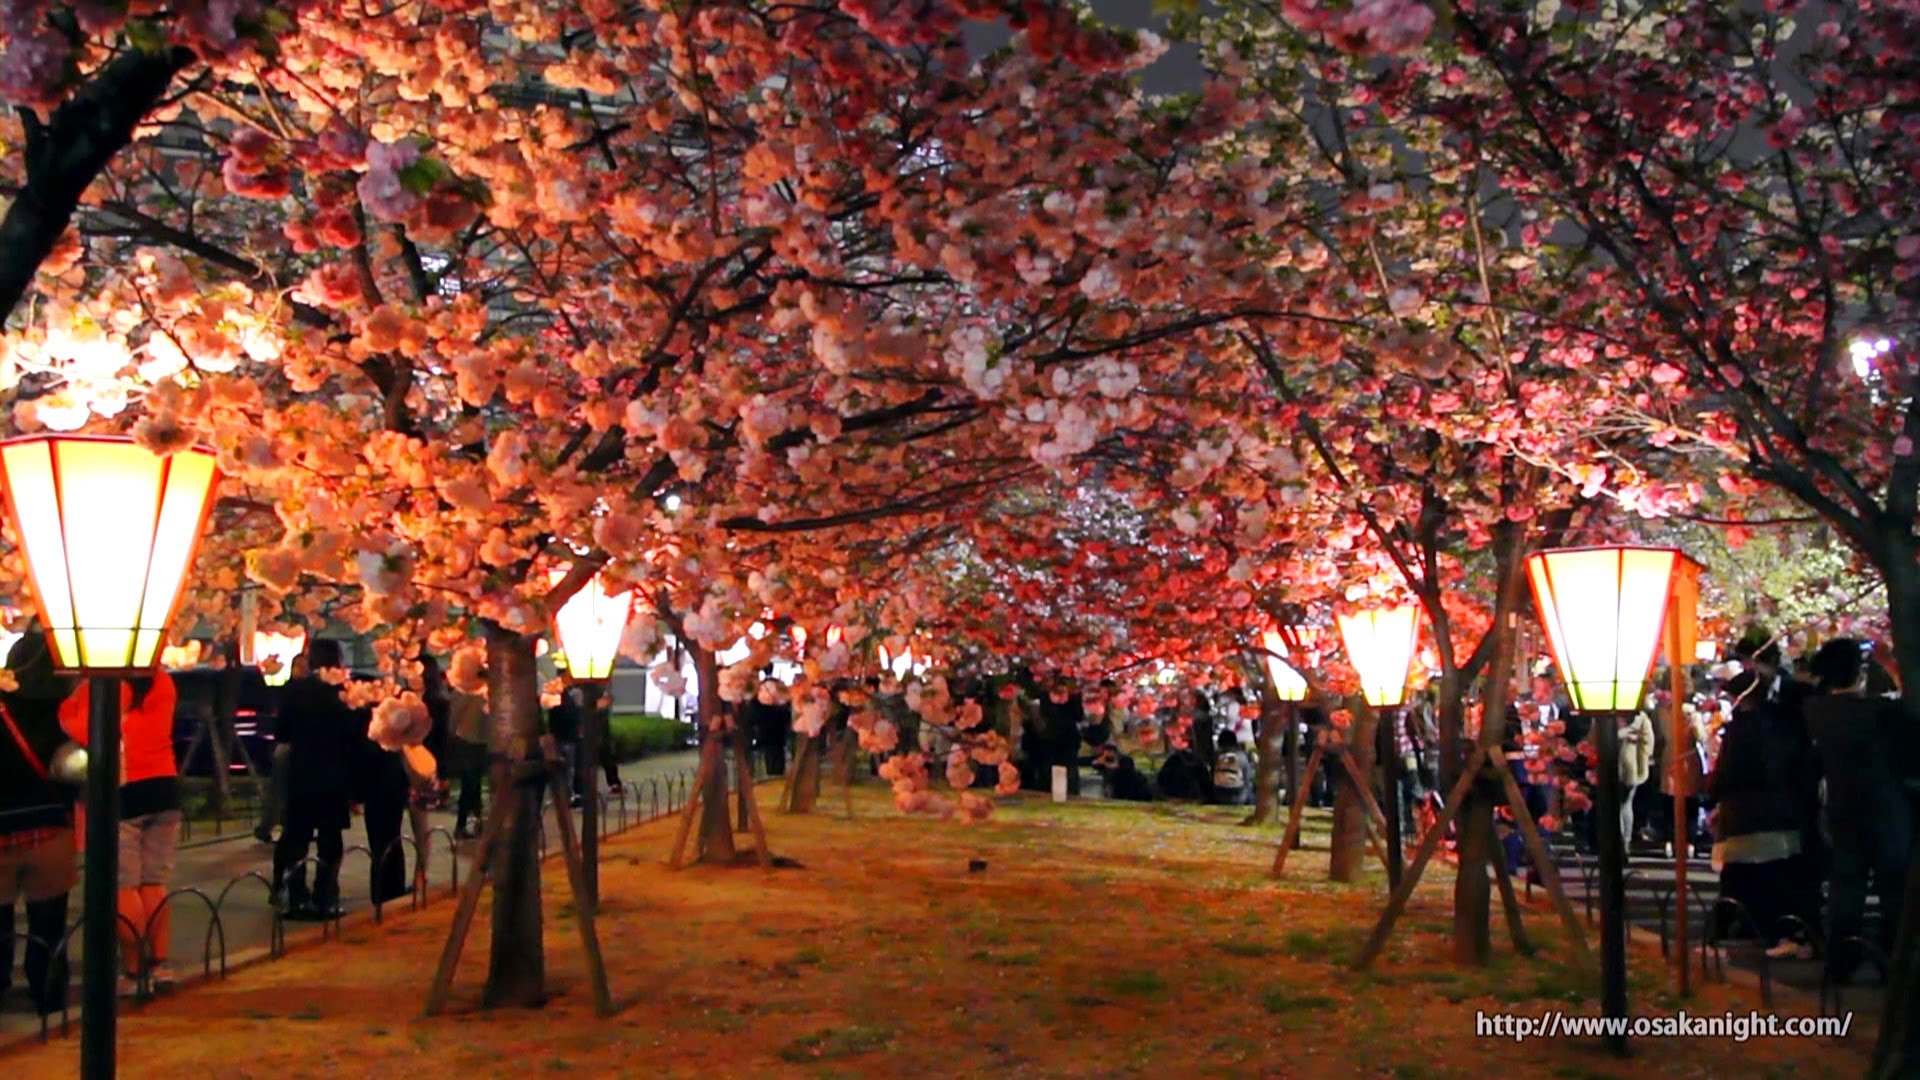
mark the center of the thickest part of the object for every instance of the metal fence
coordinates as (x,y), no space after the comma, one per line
(637,803)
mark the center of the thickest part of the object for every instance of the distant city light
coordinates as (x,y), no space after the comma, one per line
(1864,351)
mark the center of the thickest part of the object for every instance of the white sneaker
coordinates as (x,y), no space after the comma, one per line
(162,978)
(128,986)
(1788,949)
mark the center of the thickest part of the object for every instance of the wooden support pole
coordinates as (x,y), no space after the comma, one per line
(1429,844)
(1292,835)
(750,806)
(1543,862)
(583,909)
(499,820)
(709,758)
(1516,929)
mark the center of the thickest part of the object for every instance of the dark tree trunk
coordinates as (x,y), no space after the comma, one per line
(1897,1053)
(516,968)
(1472,889)
(65,154)
(1274,722)
(716,826)
(742,755)
(1349,810)
(805,778)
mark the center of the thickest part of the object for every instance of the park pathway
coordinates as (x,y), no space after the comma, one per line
(223,868)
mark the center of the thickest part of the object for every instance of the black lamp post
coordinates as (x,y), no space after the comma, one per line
(109,530)
(1605,613)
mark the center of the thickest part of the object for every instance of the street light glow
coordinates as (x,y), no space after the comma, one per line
(109,529)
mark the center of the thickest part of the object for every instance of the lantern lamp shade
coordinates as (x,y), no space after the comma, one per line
(1605,612)
(274,652)
(1380,644)
(589,626)
(1707,651)
(799,634)
(835,636)
(1288,683)
(900,665)
(109,529)
(182,656)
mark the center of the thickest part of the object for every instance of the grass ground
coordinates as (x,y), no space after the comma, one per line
(1100,940)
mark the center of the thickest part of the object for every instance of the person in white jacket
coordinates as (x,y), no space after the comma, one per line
(1636,765)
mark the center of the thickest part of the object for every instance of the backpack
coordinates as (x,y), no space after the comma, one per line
(1230,771)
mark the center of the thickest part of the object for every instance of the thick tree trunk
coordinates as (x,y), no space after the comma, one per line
(716,825)
(516,968)
(806,774)
(66,153)
(1349,809)
(742,756)
(1897,1053)
(1274,721)
(1472,889)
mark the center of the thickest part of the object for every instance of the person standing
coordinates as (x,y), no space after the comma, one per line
(320,732)
(382,787)
(1636,764)
(36,821)
(467,745)
(273,802)
(564,724)
(770,721)
(1527,727)
(149,816)
(1869,820)
(1061,716)
(1757,783)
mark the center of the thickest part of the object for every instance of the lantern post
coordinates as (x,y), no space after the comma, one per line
(588,628)
(1606,613)
(109,530)
(1380,642)
(1283,648)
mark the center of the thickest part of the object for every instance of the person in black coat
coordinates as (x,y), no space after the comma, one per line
(1122,777)
(321,734)
(1061,715)
(36,821)
(566,723)
(381,787)
(1760,784)
(1857,737)
(769,720)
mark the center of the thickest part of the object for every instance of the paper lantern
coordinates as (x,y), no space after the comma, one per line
(109,529)
(274,653)
(1288,683)
(1380,644)
(1605,611)
(589,627)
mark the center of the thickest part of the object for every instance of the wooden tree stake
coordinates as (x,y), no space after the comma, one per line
(1292,837)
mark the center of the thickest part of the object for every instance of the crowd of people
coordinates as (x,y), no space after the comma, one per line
(1796,780)
(325,766)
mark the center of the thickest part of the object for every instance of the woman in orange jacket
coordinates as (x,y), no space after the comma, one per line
(149,814)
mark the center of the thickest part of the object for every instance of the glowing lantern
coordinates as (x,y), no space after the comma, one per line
(1707,652)
(799,639)
(589,627)
(274,653)
(1380,643)
(1605,610)
(898,665)
(1288,683)
(180,657)
(835,636)
(109,529)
